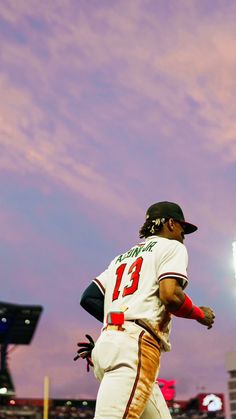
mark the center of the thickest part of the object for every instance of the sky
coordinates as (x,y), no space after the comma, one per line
(106,107)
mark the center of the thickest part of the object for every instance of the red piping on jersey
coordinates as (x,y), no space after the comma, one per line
(137,376)
(100,286)
(172,275)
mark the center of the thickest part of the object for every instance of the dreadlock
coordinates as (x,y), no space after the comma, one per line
(151,227)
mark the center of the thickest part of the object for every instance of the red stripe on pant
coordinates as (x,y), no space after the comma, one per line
(137,376)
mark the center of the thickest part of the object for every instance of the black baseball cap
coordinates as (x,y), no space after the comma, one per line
(166,210)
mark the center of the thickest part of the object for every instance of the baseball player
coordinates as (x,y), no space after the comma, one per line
(135,298)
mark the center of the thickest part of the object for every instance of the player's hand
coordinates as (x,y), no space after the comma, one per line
(85,351)
(209,317)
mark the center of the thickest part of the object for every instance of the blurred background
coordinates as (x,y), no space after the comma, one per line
(107,107)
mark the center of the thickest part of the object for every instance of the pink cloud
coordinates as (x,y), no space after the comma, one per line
(159,76)
(116,105)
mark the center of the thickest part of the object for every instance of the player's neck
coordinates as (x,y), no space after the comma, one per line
(165,236)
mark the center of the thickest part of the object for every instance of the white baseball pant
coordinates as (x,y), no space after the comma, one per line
(127,363)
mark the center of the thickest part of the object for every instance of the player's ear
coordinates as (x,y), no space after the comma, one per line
(170,224)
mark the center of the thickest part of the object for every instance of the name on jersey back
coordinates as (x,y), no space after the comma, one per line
(135,251)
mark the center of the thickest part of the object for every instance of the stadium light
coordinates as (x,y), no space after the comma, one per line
(3,390)
(17,326)
(6,384)
(234,257)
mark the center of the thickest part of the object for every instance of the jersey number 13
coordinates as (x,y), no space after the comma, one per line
(134,272)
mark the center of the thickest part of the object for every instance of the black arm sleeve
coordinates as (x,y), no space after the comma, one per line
(92,301)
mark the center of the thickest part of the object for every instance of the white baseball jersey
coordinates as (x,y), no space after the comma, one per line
(131,282)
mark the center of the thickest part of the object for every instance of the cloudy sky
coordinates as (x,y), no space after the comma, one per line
(108,106)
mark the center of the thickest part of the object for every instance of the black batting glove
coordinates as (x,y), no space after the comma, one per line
(85,350)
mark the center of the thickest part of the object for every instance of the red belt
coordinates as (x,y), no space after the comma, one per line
(115,321)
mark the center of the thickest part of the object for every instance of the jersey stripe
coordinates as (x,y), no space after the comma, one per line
(182,279)
(100,286)
(172,275)
(137,377)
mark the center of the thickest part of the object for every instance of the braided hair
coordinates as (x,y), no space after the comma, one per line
(151,227)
